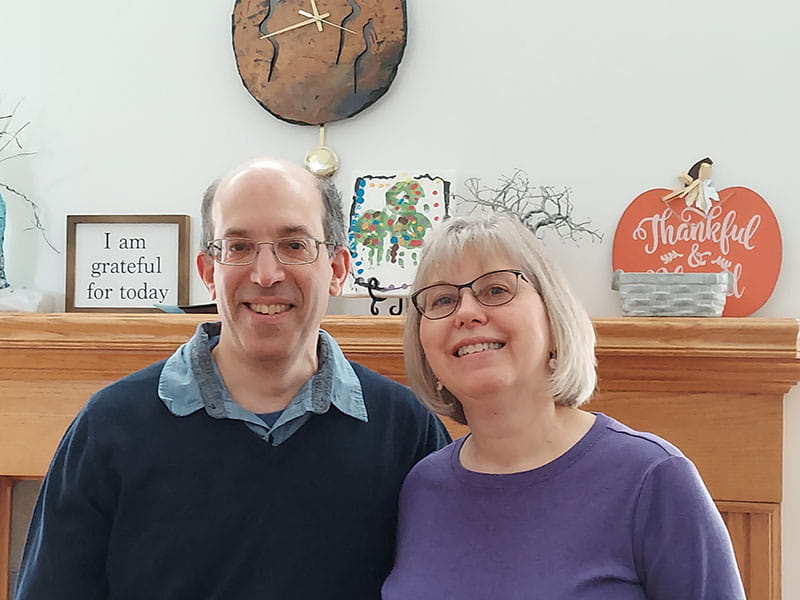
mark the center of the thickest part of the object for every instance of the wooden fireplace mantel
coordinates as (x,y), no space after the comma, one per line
(713,387)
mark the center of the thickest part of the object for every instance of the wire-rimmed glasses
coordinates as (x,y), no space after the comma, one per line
(441,300)
(287,251)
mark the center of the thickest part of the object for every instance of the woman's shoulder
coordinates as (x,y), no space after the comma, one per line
(640,458)
(644,443)
(437,465)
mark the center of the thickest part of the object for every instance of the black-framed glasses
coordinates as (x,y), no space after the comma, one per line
(287,251)
(490,289)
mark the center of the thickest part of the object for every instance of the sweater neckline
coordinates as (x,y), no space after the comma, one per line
(533,476)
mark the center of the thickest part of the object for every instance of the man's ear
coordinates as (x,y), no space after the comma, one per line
(340,268)
(205,268)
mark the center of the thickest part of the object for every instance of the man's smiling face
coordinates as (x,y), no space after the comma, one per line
(271,311)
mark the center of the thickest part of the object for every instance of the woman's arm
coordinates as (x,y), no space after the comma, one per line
(682,548)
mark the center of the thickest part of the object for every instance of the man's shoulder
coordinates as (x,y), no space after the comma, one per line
(132,388)
(373,382)
(398,415)
(382,393)
(129,404)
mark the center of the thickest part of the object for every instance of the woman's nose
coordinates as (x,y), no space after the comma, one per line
(469,310)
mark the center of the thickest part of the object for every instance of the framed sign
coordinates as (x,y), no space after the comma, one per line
(699,229)
(126,263)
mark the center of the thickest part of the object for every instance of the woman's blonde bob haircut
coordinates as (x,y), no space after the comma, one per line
(462,238)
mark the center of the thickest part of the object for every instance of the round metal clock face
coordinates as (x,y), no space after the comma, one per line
(317,61)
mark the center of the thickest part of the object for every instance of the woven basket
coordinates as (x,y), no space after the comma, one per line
(672,294)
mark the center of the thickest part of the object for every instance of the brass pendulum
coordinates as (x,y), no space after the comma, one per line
(322,160)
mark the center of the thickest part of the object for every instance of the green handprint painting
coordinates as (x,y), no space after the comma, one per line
(389,219)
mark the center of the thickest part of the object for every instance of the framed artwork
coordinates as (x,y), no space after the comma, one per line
(126,263)
(390,216)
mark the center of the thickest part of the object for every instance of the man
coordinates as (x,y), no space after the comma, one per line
(256,462)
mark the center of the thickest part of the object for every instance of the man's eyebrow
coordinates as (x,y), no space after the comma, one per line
(295,230)
(234,233)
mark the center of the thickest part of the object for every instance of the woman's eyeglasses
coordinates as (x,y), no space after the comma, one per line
(490,289)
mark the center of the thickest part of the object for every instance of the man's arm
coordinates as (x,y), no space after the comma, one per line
(65,552)
(436,436)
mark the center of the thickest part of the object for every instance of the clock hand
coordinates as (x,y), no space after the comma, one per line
(296,25)
(321,18)
(316,14)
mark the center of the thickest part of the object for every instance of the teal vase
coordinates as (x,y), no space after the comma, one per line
(3,281)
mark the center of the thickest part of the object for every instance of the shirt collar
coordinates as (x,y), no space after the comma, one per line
(190,381)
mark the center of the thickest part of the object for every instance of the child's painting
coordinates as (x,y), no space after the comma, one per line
(389,219)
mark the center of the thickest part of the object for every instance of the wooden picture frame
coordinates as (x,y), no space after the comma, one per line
(126,263)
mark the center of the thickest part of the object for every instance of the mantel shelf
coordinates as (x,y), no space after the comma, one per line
(633,353)
(749,338)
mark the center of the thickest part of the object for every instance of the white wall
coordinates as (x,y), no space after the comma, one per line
(136,106)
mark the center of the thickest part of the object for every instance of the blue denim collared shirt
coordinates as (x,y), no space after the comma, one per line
(190,381)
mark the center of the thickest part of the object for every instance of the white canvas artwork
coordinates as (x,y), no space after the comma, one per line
(390,216)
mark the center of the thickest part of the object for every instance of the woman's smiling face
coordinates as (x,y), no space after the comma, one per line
(480,350)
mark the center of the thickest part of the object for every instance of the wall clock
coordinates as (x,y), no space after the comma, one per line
(312,62)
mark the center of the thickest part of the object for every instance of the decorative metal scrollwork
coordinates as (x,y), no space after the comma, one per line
(372,285)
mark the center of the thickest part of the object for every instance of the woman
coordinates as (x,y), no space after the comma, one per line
(541,499)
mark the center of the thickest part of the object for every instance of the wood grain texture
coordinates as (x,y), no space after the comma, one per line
(6,486)
(755,532)
(713,387)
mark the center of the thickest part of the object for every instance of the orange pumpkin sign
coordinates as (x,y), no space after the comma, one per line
(660,232)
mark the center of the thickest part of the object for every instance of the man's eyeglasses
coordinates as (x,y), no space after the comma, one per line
(287,251)
(490,289)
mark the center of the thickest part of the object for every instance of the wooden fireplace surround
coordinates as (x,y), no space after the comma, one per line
(714,387)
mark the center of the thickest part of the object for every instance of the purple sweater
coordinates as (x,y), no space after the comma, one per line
(622,515)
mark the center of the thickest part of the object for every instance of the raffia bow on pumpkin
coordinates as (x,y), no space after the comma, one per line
(697,190)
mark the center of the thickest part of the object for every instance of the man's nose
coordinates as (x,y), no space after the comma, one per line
(266,270)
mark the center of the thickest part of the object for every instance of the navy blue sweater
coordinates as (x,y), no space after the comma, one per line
(141,504)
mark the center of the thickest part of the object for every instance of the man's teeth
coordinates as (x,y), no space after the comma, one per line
(269,309)
(473,348)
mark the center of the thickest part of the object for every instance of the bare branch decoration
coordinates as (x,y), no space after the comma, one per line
(11,138)
(537,207)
